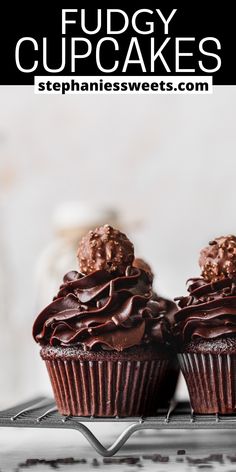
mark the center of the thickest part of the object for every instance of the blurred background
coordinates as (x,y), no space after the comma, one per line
(161,168)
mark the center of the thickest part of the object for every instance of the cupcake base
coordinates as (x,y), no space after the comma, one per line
(211,381)
(108,383)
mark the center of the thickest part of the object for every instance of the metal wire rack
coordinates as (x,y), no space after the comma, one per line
(41,412)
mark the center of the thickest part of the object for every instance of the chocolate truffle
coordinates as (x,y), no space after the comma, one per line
(141,264)
(218,260)
(105,248)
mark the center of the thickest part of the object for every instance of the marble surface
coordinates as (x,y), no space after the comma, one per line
(68,451)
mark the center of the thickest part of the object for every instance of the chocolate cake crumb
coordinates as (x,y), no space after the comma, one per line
(197,461)
(216,458)
(122,460)
(205,460)
(53,463)
(157,458)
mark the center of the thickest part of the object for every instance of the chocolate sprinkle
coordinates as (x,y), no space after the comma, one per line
(205,466)
(157,458)
(53,463)
(121,460)
(205,460)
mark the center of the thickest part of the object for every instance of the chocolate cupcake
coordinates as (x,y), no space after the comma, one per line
(205,330)
(103,338)
(168,308)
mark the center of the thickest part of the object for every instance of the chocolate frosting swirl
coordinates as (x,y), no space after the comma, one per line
(209,312)
(103,310)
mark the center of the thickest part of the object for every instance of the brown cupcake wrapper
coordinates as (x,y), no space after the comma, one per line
(211,381)
(106,388)
(169,382)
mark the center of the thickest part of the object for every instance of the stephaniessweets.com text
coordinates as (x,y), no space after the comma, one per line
(124,85)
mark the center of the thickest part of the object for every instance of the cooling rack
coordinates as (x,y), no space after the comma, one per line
(41,412)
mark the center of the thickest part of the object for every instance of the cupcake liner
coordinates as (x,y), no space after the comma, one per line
(169,382)
(106,388)
(211,381)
